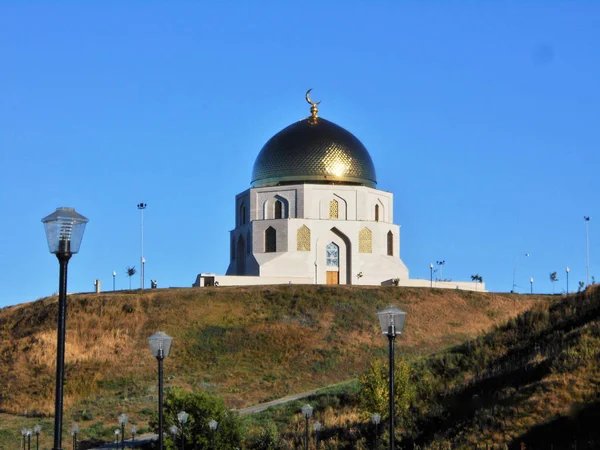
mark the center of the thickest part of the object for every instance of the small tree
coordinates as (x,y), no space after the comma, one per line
(477,279)
(130,272)
(202,408)
(554,279)
(580,286)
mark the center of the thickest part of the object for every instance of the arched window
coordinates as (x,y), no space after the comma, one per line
(365,241)
(243,215)
(278,209)
(241,259)
(248,243)
(270,240)
(333,255)
(333,209)
(303,239)
(390,243)
(232,248)
(376,213)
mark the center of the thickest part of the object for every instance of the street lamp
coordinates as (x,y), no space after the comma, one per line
(114,275)
(317,428)
(142,207)
(392,322)
(64,231)
(173,429)
(441,264)
(307,411)
(123,421)
(182,417)
(587,250)
(531,284)
(24,434)
(515,272)
(567,271)
(376,418)
(213,424)
(133,433)
(37,430)
(74,432)
(29,432)
(160,344)
(431,275)
(117,432)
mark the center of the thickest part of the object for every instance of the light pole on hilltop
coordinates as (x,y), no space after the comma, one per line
(376,418)
(531,284)
(123,421)
(392,321)
(182,417)
(213,424)
(307,411)
(160,344)
(431,275)
(142,207)
(567,271)
(515,272)
(317,428)
(587,250)
(114,275)
(64,232)
(441,264)
(75,432)
(37,430)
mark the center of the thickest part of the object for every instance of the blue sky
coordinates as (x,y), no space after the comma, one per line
(481,117)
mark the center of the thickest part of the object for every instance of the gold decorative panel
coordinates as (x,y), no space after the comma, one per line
(390,243)
(333,209)
(303,239)
(365,241)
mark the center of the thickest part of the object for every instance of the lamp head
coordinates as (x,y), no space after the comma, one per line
(37,429)
(182,417)
(317,426)
(173,429)
(160,344)
(213,424)
(75,429)
(307,410)
(122,419)
(64,231)
(375,418)
(392,320)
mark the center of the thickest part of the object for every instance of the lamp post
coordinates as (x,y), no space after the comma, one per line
(317,428)
(567,271)
(587,250)
(142,207)
(117,432)
(431,275)
(123,421)
(307,411)
(213,424)
(133,433)
(160,344)
(376,418)
(182,417)
(531,285)
(114,275)
(515,272)
(392,323)
(37,430)
(74,432)
(29,433)
(24,434)
(64,231)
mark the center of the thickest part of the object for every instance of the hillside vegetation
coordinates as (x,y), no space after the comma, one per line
(246,344)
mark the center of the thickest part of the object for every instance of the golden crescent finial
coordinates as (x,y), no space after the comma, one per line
(313,108)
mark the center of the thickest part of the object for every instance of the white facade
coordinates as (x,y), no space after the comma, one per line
(329,234)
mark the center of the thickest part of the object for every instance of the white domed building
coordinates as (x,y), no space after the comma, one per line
(314,215)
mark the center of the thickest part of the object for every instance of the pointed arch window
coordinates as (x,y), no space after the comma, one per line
(333,255)
(303,239)
(242,220)
(376,213)
(390,243)
(270,240)
(333,209)
(278,209)
(365,241)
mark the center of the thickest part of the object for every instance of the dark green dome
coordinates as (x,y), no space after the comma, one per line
(313,151)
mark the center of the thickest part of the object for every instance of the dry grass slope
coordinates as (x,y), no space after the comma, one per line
(247,344)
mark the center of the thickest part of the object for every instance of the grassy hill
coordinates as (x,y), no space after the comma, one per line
(246,344)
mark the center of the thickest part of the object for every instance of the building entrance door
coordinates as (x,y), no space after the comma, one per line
(333,277)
